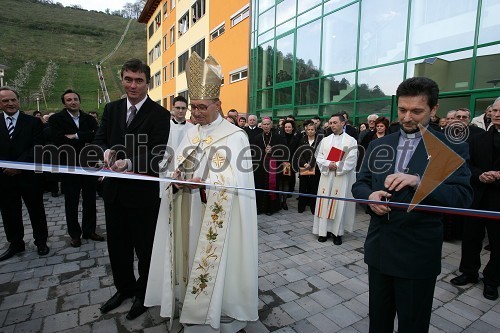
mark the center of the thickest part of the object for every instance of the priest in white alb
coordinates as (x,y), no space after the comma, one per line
(336,157)
(178,129)
(205,254)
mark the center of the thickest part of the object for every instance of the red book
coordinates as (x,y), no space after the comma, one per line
(335,155)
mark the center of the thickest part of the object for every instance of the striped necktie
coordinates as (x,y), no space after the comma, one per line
(133,111)
(10,126)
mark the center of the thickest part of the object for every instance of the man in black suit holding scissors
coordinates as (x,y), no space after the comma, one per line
(403,248)
(133,134)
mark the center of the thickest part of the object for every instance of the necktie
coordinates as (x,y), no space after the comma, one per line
(10,126)
(133,111)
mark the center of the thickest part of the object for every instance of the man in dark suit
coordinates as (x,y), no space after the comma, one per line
(71,130)
(134,134)
(252,130)
(19,134)
(485,167)
(403,249)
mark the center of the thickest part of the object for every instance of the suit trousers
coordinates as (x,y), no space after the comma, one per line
(410,299)
(129,229)
(72,185)
(28,187)
(472,244)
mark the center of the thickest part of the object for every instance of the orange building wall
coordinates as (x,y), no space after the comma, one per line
(168,87)
(231,50)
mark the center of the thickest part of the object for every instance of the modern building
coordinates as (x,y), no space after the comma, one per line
(311,57)
(177,28)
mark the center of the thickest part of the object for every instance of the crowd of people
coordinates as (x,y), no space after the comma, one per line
(195,232)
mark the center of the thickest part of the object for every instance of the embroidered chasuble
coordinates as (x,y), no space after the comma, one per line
(205,255)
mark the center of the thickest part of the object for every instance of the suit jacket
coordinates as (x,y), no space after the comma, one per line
(484,157)
(27,134)
(408,244)
(61,124)
(143,142)
(252,133)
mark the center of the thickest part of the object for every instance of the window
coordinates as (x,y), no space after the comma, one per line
(151,57)
(157,51)
(183,58)
(165,72)
(184,94)
(238,75)
(172,34)
(172,4)
(165,42)
(240,15)
(197,10)
(219,30)
(183,24)
(199,48)
(158,79)
(172,69)
(165,10)
(165,103)
(158,21)
(171,98)
(151,29)
(151,83)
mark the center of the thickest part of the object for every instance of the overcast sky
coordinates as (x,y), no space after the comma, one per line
(99,5)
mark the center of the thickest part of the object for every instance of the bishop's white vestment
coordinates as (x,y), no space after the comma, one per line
(205,255)
(332,215)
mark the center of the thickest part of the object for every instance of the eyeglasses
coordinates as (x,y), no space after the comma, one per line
(462,117)
(199,107)
(180,108)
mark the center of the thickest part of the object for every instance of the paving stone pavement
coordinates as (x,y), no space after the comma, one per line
(304,286)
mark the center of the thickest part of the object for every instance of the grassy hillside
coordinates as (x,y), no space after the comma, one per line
(75,40)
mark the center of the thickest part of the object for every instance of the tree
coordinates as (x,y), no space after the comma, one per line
(23,75)
(48,80)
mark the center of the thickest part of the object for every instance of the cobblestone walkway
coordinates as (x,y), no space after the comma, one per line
(304,286)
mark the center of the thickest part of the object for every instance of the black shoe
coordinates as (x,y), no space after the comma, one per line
(463,279)
(75,242)
(43,250)
(137,309)
(490,292)
(302,209)
(337,240)
(269,213)
(114,302)
(93,236)
(284,206)
(322,239)
(487,247)
(12,250)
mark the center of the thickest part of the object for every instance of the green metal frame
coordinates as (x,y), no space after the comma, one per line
(274,109)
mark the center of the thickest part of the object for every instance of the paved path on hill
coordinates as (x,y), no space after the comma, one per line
(305,286)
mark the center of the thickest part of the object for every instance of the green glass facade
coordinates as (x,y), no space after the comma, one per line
(314,57)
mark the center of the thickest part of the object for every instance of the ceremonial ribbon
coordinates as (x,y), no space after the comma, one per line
(104,172)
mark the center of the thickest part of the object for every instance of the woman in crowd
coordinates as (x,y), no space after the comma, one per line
(381,129)
(288,177)
(305,162)
(270,151)
(362,127)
